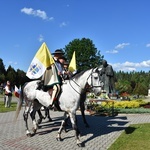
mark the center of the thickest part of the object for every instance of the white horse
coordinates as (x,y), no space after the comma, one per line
(69,99)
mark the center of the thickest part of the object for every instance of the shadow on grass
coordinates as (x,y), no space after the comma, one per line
(130,130)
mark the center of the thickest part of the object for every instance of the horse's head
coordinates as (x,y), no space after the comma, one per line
(94,81)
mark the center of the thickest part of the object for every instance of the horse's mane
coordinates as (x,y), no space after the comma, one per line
(77,75)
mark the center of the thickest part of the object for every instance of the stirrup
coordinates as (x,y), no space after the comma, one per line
(50,107)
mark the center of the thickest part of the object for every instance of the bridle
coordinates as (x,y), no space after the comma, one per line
(87,86)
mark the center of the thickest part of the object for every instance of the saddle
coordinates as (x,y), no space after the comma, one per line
(50,89)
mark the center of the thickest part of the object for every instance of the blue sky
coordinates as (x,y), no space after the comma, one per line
(120,29)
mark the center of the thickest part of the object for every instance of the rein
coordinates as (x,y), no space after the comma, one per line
(87,85)
(73,87)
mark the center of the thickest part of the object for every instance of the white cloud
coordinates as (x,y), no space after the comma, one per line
(40,38)
(63,24)
(122,45)
(51,18)
(131,66)
(145,63)
(36,13)
(112,51)
(148,45)
(116,49)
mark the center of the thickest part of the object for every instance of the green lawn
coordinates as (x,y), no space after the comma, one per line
(2,106)
(135,137)
(3,109)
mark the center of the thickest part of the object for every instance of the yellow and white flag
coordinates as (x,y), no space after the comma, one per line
(72,66)
(40,62)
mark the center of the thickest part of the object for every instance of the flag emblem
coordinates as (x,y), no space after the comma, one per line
(40,62)
(34,68)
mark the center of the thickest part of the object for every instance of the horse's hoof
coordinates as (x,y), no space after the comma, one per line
(81,145)
(65,130)
(39,127)
(59,139)
(50,120)
(34,130)
(39,121)
(29,135)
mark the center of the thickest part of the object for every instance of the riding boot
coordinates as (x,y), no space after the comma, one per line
(50,107)
(53,105)
(55,102)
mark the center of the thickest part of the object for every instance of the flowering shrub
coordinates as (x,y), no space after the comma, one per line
(124,104)
(114,107)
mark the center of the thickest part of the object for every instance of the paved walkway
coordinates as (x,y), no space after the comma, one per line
(102,133)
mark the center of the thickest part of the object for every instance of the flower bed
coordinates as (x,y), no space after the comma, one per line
(133,106)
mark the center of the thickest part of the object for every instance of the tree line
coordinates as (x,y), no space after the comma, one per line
(87,56)
(16,77)
(136,83)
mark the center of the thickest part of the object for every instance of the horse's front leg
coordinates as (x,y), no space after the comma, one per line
(82,108)
(25,116)
(63,124)
(47,114)
(35,125)
(41,117)
(73,120)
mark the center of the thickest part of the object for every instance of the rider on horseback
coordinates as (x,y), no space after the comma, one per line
(54,90)
(66,73)
(57,87)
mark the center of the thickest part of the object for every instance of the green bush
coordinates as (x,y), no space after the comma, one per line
(124,104)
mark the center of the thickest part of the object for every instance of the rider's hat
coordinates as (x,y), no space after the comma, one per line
(63,57)
(58,51)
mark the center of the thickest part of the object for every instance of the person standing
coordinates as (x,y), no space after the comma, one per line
(8,94)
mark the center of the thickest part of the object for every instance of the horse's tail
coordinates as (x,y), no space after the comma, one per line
(19,104)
